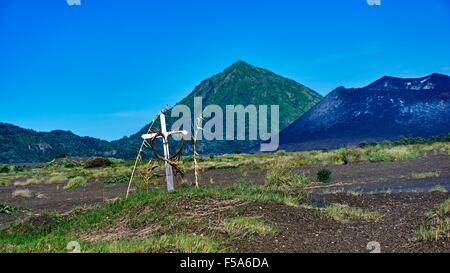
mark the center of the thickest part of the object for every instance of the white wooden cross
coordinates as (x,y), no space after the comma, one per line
(165,139)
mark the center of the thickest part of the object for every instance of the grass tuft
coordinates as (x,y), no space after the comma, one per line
(437,225)
(75,183)
(184,243)
(22,194)
(248,225)
(346,214)
(280,175)
(7,209)
(425,175)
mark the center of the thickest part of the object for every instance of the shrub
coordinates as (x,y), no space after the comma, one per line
(98,163)
(349,155)
(75,183)
(7,209)
(18,169)
(254,166)
(324,175)
(118,179)
(280,175)
(4,169)
(277,175)
(301,180)
(78,174)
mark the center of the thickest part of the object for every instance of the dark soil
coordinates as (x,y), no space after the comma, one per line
(306,230)
(301,229)
(357,173)
(53,198)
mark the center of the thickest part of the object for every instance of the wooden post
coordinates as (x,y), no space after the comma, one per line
(169,171)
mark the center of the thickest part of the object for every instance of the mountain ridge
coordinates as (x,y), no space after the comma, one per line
(385,109)
(238,84)
(20,145)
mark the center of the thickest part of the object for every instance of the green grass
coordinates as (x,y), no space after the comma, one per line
(346,214)
(174,226)
(437,226)
(69,168)
(248,225)
(185,243)
(8,209)
(4,183)
(117,179)
(75,183)
(444,209)
(425,175)
(280,175)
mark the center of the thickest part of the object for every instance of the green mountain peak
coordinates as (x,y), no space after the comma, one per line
(242,84)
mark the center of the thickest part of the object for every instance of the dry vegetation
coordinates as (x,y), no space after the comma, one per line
(195,220)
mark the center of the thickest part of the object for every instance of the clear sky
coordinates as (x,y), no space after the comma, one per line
(105,68)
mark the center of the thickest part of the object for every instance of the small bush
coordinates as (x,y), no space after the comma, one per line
(301,180)
(5,183)
(77,174)
(75,183)
(254,166)
(437,226)
(98,163)
(349,155)
(118,179)
(324,175)
(7,209)
(280,175)
(18,169)
(281,153)
(4,169)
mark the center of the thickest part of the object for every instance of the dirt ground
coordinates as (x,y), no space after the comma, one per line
(302,230)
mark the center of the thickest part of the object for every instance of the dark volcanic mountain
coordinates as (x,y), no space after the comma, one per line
(386,109)
(239,84)
(18,145)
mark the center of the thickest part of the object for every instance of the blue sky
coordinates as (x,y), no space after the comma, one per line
(104,68)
